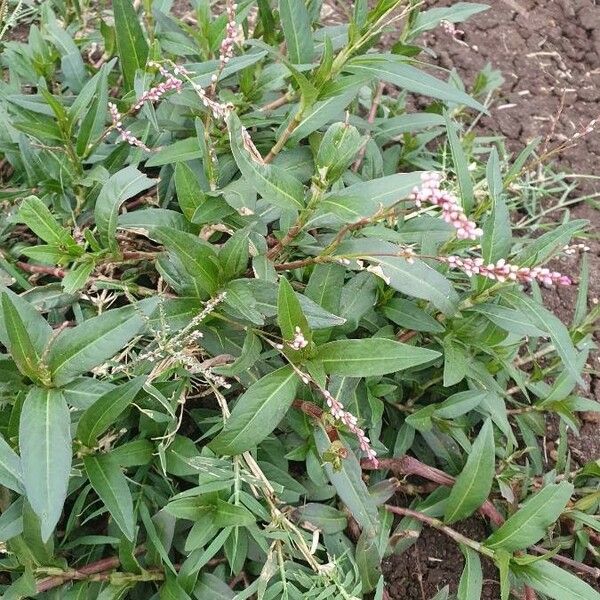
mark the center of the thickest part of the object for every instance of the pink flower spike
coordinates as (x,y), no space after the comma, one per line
(502,271)
(431,193)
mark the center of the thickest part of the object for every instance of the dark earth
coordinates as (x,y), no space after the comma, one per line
(549,54)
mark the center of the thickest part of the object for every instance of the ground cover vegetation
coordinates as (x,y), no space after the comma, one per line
(262,320)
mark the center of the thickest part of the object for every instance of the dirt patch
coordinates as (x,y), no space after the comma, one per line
(432,563)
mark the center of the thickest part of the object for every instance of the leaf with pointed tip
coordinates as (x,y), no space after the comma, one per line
(78,350)
(131,43)
(366,357)
(106,410)
(20,345)
(274,184)
(45,443)
(257,412)
(111,486)
(529,524)
(473,485)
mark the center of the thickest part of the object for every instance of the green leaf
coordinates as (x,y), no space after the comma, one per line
(543,247)
(430,19)
(326,518)
(366,357)
(543,319)
(274,184)
(387,68)
(406,314)
(45,444)
(189,193)
(509,319)
(92,123)
(387,129)
(76,278)
(176,153)
(234,254)
(131,43)
(497,234)
(455,362)
(366,198)
(106,410)
(528,525)
(198,257)
(554,582)
(228,515)
(75,351)
(459,404)
(471,580)
(38,329)
(111,486)
(257,412)
(289,313)
(349,485)
(297,31)
(461,166)
(36,215)
(368,561)
(473,485)
(416,279)
(11,474)
(121,186)
(21,348)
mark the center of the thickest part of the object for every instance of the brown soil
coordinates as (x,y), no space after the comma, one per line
(433,563)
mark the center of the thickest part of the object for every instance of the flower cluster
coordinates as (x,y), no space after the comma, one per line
(126,135)
(170,84)
(299,340)
(231,30)
(574,248)
(503,271)
(349,420)
(431,193)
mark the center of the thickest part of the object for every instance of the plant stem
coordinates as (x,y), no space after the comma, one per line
(285,136)
(372,114)
(437,524)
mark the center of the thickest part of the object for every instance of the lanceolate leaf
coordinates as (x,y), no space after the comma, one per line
(36,215)
(375,356)
(554,582)
(75,351)
(19,343)
(11,475)
(272,183)
(120,187)
(111,486)
(528,525)
(543,319)
(289,313)
(38,329)
(296,28)
(257,412)
(45,443)
(471,580)
(350,486)
(132,46)
(198,257)
(473,485)
(406,77)
(106,410)
(189,193)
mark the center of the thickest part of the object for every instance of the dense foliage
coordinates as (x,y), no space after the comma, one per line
(247,292)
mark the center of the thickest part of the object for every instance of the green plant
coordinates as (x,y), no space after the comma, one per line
(245,329)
